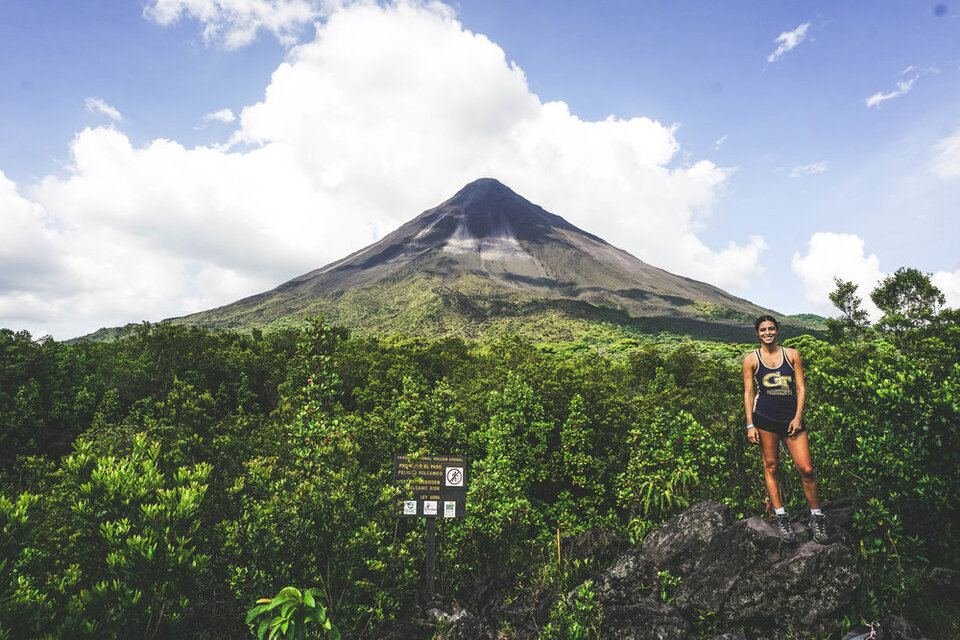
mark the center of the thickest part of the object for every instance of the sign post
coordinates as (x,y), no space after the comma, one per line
(431,557)
(435,488)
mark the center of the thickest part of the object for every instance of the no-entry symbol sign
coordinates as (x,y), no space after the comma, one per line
(454,476)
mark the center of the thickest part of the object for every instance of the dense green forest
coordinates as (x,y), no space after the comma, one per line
(158,485)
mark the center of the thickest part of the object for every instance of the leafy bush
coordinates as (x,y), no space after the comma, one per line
(292,614)
(156,485)
(575,618)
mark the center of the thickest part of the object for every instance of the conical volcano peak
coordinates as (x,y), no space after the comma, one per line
(486,207)
(486,194)
(483,253)
(484,187)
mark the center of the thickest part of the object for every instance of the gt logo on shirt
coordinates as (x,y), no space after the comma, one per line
(774,380)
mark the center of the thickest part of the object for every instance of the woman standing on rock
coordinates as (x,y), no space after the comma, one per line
(774,392)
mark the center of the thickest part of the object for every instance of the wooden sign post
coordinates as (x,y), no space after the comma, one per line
(435,487)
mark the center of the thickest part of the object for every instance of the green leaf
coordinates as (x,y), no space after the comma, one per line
(290,591)
(262,629)
(287,608)
(276,602)
(255,612)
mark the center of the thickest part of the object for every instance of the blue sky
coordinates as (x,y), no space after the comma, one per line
(671,129)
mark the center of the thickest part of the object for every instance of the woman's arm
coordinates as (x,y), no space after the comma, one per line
(801,384)
(748,397)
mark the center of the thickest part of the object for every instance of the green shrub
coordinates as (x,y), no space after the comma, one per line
(292,614)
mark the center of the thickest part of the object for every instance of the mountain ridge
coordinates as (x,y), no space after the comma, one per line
(483,255)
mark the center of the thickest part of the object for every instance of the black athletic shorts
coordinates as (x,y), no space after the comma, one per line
(775,426)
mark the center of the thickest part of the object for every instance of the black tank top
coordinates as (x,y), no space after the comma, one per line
(776,390)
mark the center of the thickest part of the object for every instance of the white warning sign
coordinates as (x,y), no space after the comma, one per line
(429,507)
(454,476)
(449,509)
(409,507)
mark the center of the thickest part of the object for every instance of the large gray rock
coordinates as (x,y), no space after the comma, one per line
(748,577)
(679,544)
(737,574)
(719,574)
(644,619)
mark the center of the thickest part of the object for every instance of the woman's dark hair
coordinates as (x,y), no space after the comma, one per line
(762,319)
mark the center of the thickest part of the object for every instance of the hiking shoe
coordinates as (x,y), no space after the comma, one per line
(785,529)
(818,527)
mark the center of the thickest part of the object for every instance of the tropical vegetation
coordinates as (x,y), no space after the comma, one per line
(161,485)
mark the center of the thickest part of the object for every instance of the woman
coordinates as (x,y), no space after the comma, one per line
(774,392)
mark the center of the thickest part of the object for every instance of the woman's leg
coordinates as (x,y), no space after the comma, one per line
(799,449)
(769,448)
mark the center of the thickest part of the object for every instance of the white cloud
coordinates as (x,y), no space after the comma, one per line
(719,142)
(388,111)
(235,23)
(840,255)
(809,169)
(96,105)
(903,87)
(946,161)
(949,283)
(426,116)
(789,40)
(225,116)
(29,248)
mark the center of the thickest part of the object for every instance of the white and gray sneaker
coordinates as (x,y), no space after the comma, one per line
(785,529)
(818,527)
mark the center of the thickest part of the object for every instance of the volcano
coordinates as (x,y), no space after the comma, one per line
(484,258)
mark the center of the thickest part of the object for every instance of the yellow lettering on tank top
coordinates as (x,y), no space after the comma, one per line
(777,385)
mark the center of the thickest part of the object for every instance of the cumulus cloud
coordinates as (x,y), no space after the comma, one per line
(904,85)
(788,40)
(96,105)
(809,169)
(388,111)
(225,116)
(28,250)
(949,283)
(840,255)
(843,255)
(235,23)
(946,159)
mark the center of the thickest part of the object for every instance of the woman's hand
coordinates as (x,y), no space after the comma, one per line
(794,427)
(753,436)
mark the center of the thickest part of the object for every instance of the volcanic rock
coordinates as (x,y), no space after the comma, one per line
(738,575)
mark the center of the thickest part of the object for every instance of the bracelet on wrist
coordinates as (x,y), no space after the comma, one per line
(749,426)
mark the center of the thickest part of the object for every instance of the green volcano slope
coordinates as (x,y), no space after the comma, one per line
(488,260)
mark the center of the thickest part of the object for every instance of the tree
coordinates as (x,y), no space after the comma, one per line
(854,320)
(581,471)
(119,551)
(908,300)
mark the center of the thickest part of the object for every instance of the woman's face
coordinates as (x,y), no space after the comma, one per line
(767,332)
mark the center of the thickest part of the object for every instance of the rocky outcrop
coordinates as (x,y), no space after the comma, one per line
(704,569)
(706,574)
